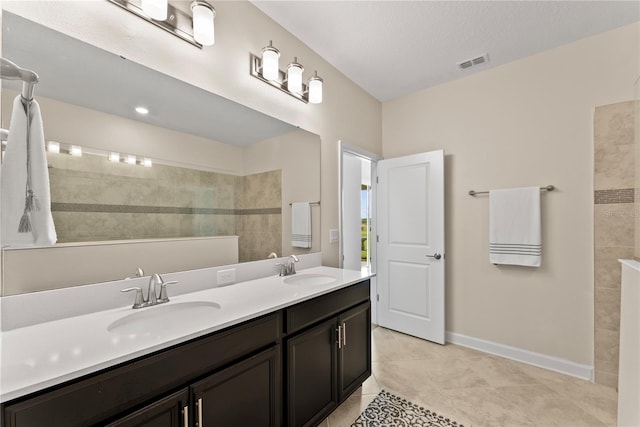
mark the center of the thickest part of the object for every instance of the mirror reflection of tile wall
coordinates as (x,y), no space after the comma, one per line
(94,199)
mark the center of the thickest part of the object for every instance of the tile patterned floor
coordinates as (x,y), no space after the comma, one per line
(475,388)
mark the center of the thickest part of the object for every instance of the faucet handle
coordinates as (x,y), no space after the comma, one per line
(139,299)
(163,291)
(282,268)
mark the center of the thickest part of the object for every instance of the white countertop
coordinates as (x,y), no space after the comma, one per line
(45,354)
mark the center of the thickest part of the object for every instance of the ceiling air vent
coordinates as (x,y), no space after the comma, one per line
(475,61)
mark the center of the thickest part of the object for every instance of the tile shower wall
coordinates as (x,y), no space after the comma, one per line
(94,199)
(260,220)
(614,222)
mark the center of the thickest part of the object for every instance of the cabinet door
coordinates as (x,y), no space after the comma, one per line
(354,356)
(247,393)
(311,374)
(168,412)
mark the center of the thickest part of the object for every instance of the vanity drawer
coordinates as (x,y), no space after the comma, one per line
(109,393)
(309,312)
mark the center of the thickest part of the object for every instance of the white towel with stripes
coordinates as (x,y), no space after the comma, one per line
(515,236)
(301,225)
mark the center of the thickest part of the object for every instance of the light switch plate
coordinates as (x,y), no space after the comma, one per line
(333,235)
(226,277)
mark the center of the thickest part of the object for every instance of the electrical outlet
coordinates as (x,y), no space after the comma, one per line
(226,277)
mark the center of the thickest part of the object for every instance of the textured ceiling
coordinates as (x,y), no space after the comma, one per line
(392,48)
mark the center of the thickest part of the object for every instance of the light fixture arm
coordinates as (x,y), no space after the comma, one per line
(178,22)
(281,84)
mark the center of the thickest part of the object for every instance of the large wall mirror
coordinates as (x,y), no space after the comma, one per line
(195,166)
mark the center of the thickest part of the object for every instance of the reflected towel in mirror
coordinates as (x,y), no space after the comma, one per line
(301,225)
(15,176)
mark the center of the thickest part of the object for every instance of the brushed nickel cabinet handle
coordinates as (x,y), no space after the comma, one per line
(344,334)
(185,416)
(199,406)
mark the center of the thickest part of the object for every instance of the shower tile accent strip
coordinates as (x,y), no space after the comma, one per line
(621,195)
(88,207)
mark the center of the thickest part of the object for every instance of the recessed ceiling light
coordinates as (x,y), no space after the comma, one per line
(142,110)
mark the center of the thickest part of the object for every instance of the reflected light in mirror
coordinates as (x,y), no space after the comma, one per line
(76,151)
(53,147)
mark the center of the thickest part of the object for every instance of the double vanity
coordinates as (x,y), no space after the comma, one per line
(267,352)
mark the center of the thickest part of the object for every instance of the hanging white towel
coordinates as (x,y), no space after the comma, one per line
(14,180)
(514,227)
(301,225)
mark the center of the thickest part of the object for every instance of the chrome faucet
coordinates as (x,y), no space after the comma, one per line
(291,266)
(152,297)
(288,268)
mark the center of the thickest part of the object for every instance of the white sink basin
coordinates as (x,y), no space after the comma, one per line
(310,280)
(164,319)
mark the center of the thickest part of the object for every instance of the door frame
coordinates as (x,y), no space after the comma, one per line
(344,147)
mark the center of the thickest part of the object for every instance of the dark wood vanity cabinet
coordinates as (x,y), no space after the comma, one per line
(354,355)
(170,411)
(245,394)
(139,392)
(327,357)
(235,377)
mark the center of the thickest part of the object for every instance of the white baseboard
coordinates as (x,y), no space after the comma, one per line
(525,356)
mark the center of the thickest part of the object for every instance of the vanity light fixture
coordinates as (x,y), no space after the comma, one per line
(156,9)
(315,89)
(270,56)
(131,159)
(265,68)
(146,162)
(294,76)
(53,147)
(114,157)
(75,151)
(203,20)
(195,27)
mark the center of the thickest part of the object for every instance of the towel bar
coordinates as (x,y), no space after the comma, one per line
(311,203)
(547,188)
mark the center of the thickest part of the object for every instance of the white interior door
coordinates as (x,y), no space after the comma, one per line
(411,245)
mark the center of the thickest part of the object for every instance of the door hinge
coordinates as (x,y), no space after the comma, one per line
(377,180)
(377,238)
(377,297)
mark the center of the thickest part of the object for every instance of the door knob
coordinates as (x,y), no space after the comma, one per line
(436,256)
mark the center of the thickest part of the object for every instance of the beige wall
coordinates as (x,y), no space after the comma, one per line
(347,112)
(529,122)
(295,153)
